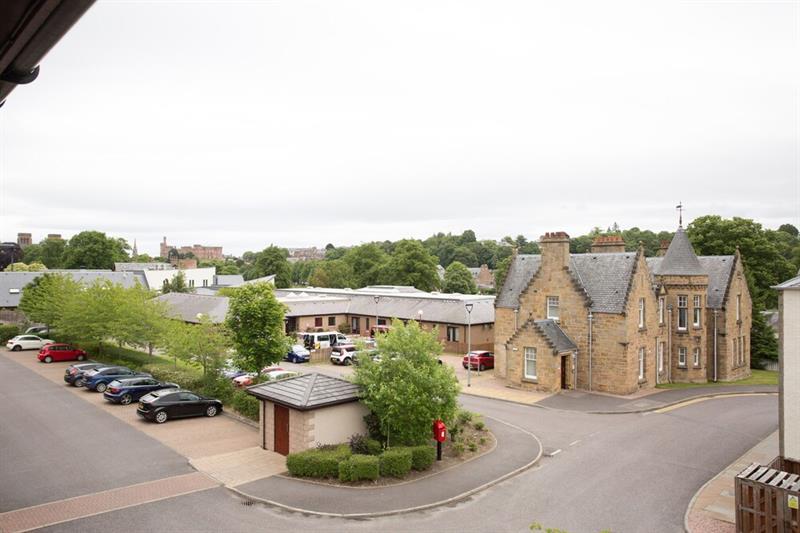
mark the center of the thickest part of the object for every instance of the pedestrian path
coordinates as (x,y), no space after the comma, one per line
(241,466)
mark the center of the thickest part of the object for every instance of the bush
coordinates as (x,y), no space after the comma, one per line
(8,331)
(472,446)
(246,404)
(422,457)
(374,427)
(358,467)
(480,425)
(458,449)
(317,463)
(395,462)
(464,417)
(221,388)
(183,377)
(363,445)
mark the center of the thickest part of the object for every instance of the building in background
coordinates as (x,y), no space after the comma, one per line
(305,254)
(484,277)
(24,240)
(203,253)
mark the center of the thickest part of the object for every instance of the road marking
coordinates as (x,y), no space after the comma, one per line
(573,443)
(48,514)
(553,453)
(698,400)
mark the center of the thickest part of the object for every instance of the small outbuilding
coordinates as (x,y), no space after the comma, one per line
(301,412)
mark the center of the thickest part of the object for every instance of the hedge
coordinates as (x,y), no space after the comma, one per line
(358,467)
(395,462)
(317,463)
(8,331)
(422,457)
(246,404)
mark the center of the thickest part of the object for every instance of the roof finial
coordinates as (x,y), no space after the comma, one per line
(679,207)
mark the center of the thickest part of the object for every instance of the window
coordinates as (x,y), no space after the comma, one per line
(530,363)
(641,364)
(641,313)
(191,283)
(683,310)
(205,283)
(738,307)
(381,321)
(552,307)
(452,333)
(682,356)
(661,310)
(317,321)
(331,320)
(697,303)
(660,356)
(696,358)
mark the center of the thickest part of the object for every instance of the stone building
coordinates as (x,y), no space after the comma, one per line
(24,239)
(615,321)
(203,253)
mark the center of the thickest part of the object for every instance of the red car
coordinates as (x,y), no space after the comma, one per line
(478,360)
(60,352)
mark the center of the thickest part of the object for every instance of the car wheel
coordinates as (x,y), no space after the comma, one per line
(81,358)
(211,410)
(348,362)
(126,399)
(481,368)
(78,382)
(16,348)
(465,366)
(161,417)
(101,387)
(48,359)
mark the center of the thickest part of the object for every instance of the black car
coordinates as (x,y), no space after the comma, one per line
(74,373)
(129,390)
(160,406)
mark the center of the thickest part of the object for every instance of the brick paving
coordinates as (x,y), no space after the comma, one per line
(242,466)
(103,502)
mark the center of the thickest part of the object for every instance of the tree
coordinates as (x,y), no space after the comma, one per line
(204,345)
(301,271)
(411,264)
(458,278)
(466,256)
(408,389)
(52,252)
(22,267)
(763,343)
(228,269)
(366,261)
(788,228)
(140,319)
(336,274)
(501,272)
(92,249)
(44,299)
(273,260)
(255,320)
(176,284)
(91,315)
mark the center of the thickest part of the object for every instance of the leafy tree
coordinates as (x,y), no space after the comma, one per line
(144,258)
(465,256)
(255,320)
(467,237)
(52,252)
(411,264)
(334,253)
(22,267)
(367,262)
(788,228)
(501,272)
(31,253)
(763,343)
(92,249)
(205,344)
(228,269)
(140,319)
(273,260)
(457,278)
(44,299)
(336,274)
(408,389)
(301,271)
(176,284)
(92,313)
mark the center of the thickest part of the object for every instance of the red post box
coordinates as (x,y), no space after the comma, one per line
(439,431)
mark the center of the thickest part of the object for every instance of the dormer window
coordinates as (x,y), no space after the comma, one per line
(552,307)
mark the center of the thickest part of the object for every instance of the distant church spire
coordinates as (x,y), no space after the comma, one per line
(679,207)
(135,251)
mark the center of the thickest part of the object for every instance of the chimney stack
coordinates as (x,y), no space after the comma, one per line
(662,250)
(555,249)
(607,244)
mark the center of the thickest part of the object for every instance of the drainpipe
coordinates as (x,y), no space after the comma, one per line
(669,345)
(715,345)
(591,317)
(657,361)
(575,370)
(516,319)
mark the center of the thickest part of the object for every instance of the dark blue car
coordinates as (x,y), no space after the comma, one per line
(99,378)
(129,390)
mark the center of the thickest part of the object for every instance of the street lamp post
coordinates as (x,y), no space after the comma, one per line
(469,343)
(377,299)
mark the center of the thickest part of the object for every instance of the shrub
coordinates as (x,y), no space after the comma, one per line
(472,446)
(458,449)
(482,441)
(395,462)
(317,463)
(464,417)
(363,445)
(8,331)
(185,378)
(246,404)
(220,388)
(480,425)
(374,427)
(422,457)
(358,467)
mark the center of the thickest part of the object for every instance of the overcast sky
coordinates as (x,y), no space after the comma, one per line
(245,124)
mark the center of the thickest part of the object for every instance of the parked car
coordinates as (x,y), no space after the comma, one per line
(129,390)
(159,406)
(27,342)
(374,330)
(298,354)
(37,330)
(343,355)
(371,353)
(245,380)
(74,374)
(275,375)
(61,352)
(323,339)
(99,378)
(478,360)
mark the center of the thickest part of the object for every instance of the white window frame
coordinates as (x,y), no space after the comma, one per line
(454,336)
(696,357)
(661,310)
(682,356)
(697,305)
(738,307)
(552,302)
(641,313)
(683,312)
(660,350)
(641,363)
(529,358)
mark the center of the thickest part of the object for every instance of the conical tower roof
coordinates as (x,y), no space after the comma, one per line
(680,259)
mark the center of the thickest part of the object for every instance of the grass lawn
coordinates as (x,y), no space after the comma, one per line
(759,377)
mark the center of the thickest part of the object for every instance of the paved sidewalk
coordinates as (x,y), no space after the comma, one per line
(588,402)
(713,508)
(516,449)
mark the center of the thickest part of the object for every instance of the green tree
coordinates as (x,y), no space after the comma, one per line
(44,300)
(92,249)
(788,228)
(411,264)
(176,284)
(140,319)
(52,252)
(336,274)
(466,256)
(458,278)
(255,320)
(367,262)
(91,315)
(22,267)
(32,253)
(501,272)
(273,260)
(228,269)
(763,342)
(408,389)
(204,344)
(301,271)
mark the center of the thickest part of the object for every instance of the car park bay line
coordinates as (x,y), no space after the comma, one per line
(48,514)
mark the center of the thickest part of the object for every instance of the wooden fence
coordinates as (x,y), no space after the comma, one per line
(767,499)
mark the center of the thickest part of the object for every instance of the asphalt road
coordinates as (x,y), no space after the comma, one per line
(624,473)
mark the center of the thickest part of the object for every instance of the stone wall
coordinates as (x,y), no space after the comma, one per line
(733,331)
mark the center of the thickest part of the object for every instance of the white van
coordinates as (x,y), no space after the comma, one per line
(322,339)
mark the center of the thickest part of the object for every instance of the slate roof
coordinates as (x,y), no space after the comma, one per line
(265,279)
(11,282)
(792,284)
(306,392)
(135,267)
(680,259)
(522,268)
(187,306)
(228,280)
(719,269)
(556,337)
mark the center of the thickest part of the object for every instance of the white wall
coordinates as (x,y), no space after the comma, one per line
(790,354)
(155,278)
(336,424)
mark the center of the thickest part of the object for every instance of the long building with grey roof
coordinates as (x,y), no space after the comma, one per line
(612,320)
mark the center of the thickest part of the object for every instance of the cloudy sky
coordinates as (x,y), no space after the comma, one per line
(250,123)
